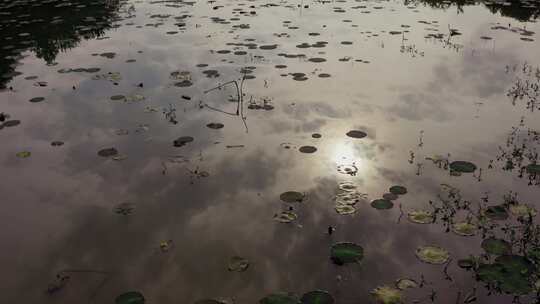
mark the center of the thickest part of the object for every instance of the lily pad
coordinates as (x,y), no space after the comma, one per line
(285,217)
(182,141)
(307,149)
(57,143)
(533,168)
(23,154)
(238,264)
(497,212)
(382,204)
(215,125)
(279,298)
(118,97)
(522,210)
(344,253)
(356,134)
(511,273)
(496,246)
(462,166)
(466,263)
(292,197)
(432,254)
(317,297)
(406,283)
(387,295)
(345,209)
(131,297)
(398,190)
(420,217)
(108,152)
(37,99)
(464,228)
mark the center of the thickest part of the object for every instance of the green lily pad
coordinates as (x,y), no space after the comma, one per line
(238,264)
(496,246)
(387,295)
(420,217)
(279,298)
(344,253)
(522,210)
(382,204)
(432,254)
(317,297)
(533,169)
(345,209)
(511,273)
(356,134)
(37,99)
(398,190)
(462,166)
(406,283)
(464,228)
(23,154)
(292,197)
(108,152)
(215,125)
(182,141)
(131,297)
(497,213)
(466,263)
(118,97)
(307,149)
(285,217)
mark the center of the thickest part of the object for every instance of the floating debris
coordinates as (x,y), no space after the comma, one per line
(238,264)
(432,254)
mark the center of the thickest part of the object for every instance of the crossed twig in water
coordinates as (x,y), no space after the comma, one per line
(240,100)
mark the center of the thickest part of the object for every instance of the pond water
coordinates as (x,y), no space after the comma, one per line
(171,152)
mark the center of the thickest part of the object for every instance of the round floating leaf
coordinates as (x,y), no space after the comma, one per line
(181,141)
(522,210)
(285,217)
(511,273)
(382,204)
(108,152)
(432,254)
(533,169)
(37,99)
(343,253)
(406,283)
(496,246)
(356,134)
(387,295)
(420,217)
(464,228)
(131,297)
(317,297)
(118,97)
(215,125)
(57,143)
(466,263)
(23,154)
(398,190)
(497,212)
(292,197)
(316,135)
(11,123)
(490,273)
(279,298)
(345,209)
(307,149)
(462,166)
(516,264)
(239,264)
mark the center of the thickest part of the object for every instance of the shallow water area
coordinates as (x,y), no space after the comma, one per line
(249,151)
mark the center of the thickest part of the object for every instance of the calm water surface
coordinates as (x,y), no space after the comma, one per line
(428,82)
